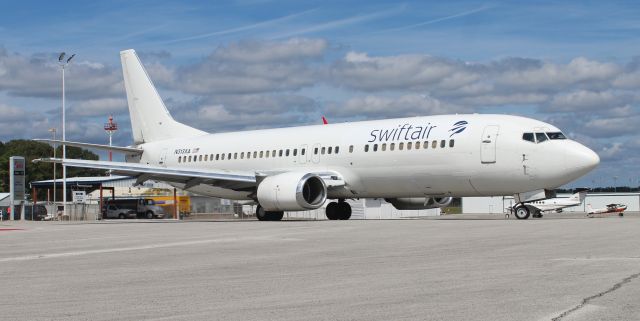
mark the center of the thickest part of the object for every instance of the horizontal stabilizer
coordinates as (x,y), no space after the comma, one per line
(127,150)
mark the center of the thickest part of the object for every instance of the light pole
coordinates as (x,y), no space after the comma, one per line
(53,131)
(63,63)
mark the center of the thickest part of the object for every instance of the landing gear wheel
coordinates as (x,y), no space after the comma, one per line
(522,212)
(263,215)
(275,216)
(149,215)
(333,211)
(345,210)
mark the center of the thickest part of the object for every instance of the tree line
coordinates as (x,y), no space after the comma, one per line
(31,150)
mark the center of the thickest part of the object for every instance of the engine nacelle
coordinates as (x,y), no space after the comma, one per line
(419,203)
(292,191)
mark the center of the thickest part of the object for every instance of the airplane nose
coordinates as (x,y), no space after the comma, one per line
(580,160)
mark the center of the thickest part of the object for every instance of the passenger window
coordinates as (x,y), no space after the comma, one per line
(273,154)
(434,144)
(401,146)
(235,155)
(375,147)
(315,151)
(384,147)
(425,145)
(286,152)
(443,143)
(451,142)
(541,137)
(179,159)
(255,154)
(350,148)
(392,146)
(222,157)
(556,135)
(337,149)
(528,137)
(409,145)
(329,150)
(280,153)
(189,158)
(217,156)
(295,152)
(206,158)
(323,150)
(211,157)
(417,145)
(366,148)
(261,154)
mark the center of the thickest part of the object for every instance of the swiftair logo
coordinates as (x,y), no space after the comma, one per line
(458,127)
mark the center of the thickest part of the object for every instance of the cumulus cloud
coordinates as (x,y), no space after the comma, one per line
(98,107)
(382,107)
(272,51)
(235,112)
(254,67)
(583,100)
(39,76)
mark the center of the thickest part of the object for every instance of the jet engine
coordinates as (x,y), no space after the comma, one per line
(292,191)
(419,203)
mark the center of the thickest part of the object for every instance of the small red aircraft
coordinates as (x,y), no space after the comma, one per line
(611,208)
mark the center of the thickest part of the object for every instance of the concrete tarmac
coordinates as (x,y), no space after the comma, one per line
(434,269)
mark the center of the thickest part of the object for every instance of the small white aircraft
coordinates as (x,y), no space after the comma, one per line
(414,163)
(611,208)
(554,204)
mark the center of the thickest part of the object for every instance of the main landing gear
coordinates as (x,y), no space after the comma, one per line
(339,210)
(521,212)
(263,215)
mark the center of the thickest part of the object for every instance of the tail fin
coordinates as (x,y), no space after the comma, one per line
(150,119)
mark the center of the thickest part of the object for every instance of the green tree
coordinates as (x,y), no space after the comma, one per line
(31,150)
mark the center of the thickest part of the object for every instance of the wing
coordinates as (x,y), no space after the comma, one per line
(128,150)
(190,177)
(235,180)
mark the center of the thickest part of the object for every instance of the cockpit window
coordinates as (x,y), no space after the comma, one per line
(556,135)
(528,137)
(541,137)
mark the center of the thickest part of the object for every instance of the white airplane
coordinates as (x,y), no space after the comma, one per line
(554,204)
(414,163)
(611,208)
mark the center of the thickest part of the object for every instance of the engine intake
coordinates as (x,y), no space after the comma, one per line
(292,191)
(419,203)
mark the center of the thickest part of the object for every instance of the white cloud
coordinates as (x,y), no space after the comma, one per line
(270,51)
(383,107)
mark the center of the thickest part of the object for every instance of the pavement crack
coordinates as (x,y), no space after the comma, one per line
(586,300)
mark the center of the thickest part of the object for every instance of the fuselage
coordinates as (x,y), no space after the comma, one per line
(448,155)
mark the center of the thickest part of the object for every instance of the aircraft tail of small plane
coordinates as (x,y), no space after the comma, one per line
(579,196)
(150,118)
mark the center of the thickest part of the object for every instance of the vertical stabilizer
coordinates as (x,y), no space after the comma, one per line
(150,119)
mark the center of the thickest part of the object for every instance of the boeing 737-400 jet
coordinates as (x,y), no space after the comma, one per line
(414,163)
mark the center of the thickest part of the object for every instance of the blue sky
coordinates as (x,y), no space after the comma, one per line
(248,64)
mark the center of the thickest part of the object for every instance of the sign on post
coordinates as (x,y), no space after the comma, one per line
(16,182)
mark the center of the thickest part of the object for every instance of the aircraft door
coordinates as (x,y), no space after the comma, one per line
(303,154)
(315,153)
(163,158)
(488,147)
